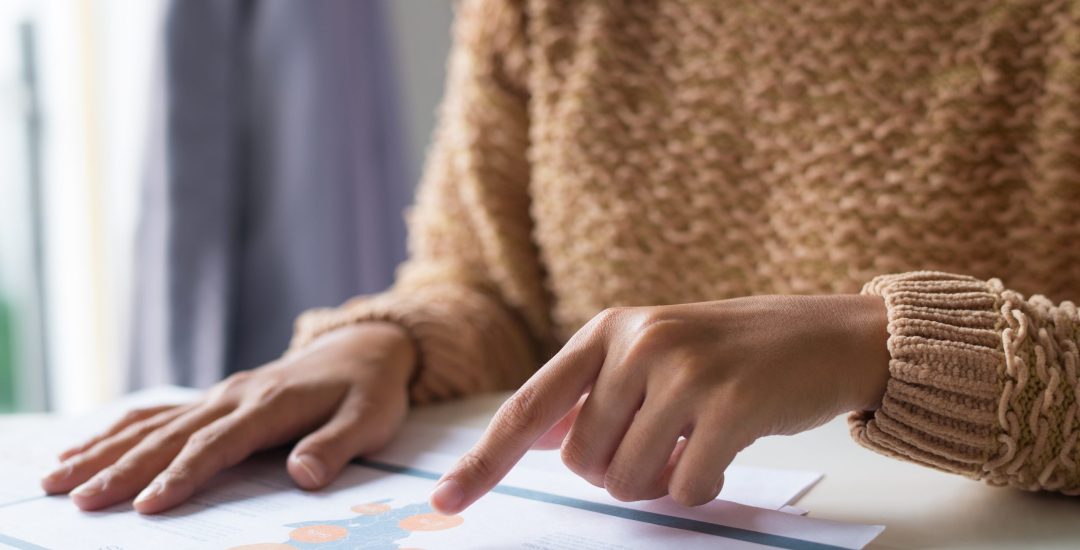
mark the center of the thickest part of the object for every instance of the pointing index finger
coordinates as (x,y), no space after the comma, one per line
(520,421)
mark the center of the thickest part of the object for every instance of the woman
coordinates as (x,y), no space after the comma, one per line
(800,209)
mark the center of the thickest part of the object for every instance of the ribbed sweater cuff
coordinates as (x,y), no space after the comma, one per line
(940,406)
(466,342)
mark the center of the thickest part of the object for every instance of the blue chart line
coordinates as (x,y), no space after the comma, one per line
(19,543)
(685,524)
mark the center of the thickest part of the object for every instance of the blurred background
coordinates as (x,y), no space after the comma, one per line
(180,178)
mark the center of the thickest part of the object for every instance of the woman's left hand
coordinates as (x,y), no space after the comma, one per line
(649,401)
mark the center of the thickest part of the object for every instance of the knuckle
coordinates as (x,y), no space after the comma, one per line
(269,393)
(688,493)
(654,326)
(209,449)
(610,315)
(597,327)
(651,321)
(236,380)
(606,321)
(653,333)
(523,411)
(205,438)
(133,415)
(239,377)
(141,428)
(166,439)
(575,455)
(623,486)
(132,433)
(178,471)
(80,465)
(479,465)
(118,472)
(231,388)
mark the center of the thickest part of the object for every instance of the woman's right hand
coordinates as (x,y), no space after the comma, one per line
(344,395)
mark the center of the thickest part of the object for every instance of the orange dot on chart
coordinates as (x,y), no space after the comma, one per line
(264,546)
(371,509)
(430,522)
(318,533)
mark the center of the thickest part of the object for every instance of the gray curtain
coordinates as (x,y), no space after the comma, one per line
(276,180)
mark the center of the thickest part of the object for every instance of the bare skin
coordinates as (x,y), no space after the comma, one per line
(651,401)
(343,396)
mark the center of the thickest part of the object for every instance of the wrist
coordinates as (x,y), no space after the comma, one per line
(383,344)
(873,365)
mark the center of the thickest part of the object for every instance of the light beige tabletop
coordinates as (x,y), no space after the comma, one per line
(920,507)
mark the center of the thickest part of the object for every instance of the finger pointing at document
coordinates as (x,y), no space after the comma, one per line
(655,401)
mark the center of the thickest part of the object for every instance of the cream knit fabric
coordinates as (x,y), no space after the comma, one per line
(595,154)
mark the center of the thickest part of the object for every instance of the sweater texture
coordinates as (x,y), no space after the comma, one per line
(598,154)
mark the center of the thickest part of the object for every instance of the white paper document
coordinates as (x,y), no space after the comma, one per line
(381,503)
(761,487)
(730,521)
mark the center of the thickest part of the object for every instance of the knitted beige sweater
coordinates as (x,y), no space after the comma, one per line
(594,154)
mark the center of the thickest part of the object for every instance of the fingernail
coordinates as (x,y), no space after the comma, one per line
(448,495)
(61,472)
(90,488)
(313,467)
(150,492)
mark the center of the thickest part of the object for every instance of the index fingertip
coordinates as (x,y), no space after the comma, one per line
(448,497)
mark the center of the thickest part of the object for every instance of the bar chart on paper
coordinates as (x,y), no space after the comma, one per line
(374,525)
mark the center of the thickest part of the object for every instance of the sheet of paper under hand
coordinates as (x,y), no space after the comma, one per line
(762,487)
(730,519)
(381,505)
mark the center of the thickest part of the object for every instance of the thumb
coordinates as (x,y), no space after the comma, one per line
(354,429)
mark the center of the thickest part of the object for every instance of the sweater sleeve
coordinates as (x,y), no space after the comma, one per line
(471,293)
(983,382)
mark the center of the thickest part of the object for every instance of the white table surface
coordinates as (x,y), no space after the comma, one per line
(920,507)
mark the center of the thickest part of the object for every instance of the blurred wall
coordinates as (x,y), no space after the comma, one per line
(276,112)
(422,39)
